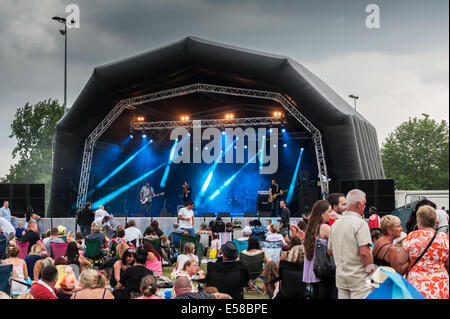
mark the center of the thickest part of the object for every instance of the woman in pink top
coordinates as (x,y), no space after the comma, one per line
(149,288)
(154,261)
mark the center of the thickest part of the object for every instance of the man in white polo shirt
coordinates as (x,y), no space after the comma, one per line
(349,243)
(186,218)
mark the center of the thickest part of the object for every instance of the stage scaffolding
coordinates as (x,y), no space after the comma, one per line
(199,88)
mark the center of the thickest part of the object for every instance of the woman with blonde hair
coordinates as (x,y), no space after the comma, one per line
(149,288)
(427,252)
(33,257)
(92,286)
(20,271)
(188,253)
(41,264)
(274,235)
(384,251)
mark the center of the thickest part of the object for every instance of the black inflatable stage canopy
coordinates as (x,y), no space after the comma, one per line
(350,141)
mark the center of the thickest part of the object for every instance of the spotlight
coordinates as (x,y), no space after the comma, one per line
(245,146)
(274,145)
(185,118)
(229,116)
(277,114)
(131,136)
(140,119)
(223,132)
(144,135)
(283,130)
(284,145)
(270,130)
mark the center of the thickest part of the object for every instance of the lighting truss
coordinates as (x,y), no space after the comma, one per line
(241,122)
(190,89)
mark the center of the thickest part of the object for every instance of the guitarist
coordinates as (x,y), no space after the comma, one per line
(147,192)
(275,190)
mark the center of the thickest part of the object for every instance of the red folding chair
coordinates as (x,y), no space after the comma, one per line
(58,250)
(23,249)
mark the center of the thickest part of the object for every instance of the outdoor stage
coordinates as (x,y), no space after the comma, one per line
(172,115)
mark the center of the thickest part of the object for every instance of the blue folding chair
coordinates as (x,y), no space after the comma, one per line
(241,244)
(5,278)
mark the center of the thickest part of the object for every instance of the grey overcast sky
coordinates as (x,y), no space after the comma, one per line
(399,70)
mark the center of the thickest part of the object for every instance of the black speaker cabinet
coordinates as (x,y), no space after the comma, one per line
(20,196)
(379,193)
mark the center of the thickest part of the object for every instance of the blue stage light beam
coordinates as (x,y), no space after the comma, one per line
(263,150)
(171,157)
(121,166)
(124,188)
(210,172)
(228,181)
(294,177)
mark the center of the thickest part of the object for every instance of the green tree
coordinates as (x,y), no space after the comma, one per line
(34,128)
(416,155)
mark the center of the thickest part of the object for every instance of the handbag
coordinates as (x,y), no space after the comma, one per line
(324,266)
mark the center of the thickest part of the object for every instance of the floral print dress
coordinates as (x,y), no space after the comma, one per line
(429,276)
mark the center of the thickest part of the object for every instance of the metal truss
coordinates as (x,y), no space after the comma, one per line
(241,122)
(189,89)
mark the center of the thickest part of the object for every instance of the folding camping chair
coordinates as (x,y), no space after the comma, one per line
(155,243)
(58,250)
(184,239)
(93,252)
(23,249)
(291,281)
(225,237)
(3,244)
(5,278)
(241,244)
(255,265)
(272,249)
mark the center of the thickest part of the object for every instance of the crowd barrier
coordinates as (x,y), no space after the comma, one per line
(165,223)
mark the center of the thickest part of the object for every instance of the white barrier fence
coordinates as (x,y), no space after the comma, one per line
(165,223)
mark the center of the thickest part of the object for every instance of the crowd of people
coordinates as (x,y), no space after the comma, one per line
(335,249)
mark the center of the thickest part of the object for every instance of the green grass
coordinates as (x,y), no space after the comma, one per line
(167,270)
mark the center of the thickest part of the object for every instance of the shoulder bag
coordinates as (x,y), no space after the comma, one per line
(324,266)
(422,254)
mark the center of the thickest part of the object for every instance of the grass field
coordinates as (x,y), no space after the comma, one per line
(247,294)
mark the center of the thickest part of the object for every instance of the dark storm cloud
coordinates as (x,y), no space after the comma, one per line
(312,31)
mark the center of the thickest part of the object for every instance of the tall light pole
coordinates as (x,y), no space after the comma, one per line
(354,97)
(64,33)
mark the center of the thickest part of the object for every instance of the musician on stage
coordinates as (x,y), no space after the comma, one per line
(275,190)
(147,192)
(187,191)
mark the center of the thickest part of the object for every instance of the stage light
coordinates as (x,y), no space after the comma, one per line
(185,118)
(229,116)
(274,145)
(131,136)
(223,132)
(283,130)
(294,178)
(245,146)
(270,130)
(124,188)
(284,145)
(277,114)
(121,166)
(140,119)
(144,135)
